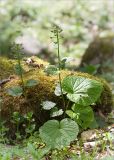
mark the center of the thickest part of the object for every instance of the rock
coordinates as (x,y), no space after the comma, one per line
(100,51)
(89,135)
(44,91)
(7,66)
(89,146)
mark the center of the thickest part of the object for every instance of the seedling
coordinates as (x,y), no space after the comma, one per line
(19,90)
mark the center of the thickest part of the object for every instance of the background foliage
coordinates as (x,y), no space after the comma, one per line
(80,22)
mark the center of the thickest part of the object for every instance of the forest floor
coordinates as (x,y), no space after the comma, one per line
(93,144)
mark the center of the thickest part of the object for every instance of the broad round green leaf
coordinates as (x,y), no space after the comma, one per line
(71,114)
(56,112)
(64,61)
(85,115)
(47,105)
(59,134)
(82,91)
(58,90)
(51,70)
(18,69)
(31,83)
(15,91)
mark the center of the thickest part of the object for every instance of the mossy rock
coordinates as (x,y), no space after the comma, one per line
(7,66)
(99,51)
(45,91)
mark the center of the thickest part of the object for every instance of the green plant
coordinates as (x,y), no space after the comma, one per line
(91,69)
(82,91)
(27,121)
(51,70)
(13,152)
(84,116)
(37,154)
(3,132)
(6,156)
(54,111)
(17,51)
(47,105)
(15,91)
(19,90)
(17,119)
(57,36)
(30,125)
(59,134)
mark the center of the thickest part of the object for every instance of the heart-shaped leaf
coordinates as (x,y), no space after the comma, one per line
(59,134)
(15,91)
(51,70)
(71,114)
(82,91)
(64,61)
(55,112)
(31,83)
(58,90)
(18,69)
(47,105)
(84,115)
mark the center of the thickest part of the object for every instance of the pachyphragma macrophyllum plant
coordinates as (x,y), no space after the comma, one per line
(20,90)
(17,50)
(17,54)
(56,30)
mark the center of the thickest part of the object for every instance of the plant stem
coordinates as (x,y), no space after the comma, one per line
(66,107)
(59,62)
(21,74)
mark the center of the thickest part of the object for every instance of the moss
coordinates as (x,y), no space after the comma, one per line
(99,51)
(45,91)
(6,67)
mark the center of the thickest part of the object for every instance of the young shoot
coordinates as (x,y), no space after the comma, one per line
(17,50)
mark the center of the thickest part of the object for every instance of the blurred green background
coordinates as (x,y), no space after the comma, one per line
(29,22)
